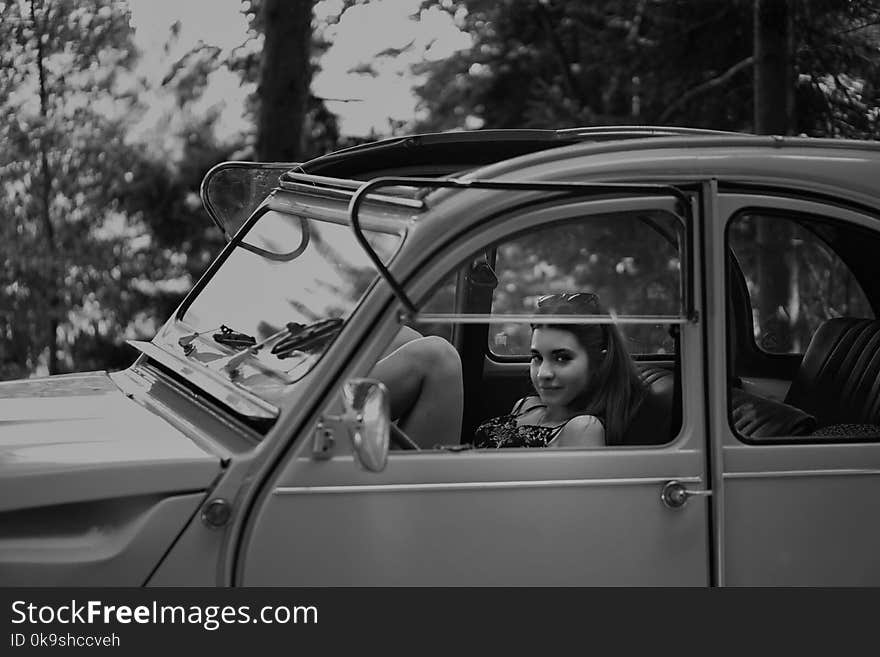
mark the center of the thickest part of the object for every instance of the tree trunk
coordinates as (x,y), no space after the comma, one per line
(774,73)
(285,78)
(774,102)
(45,200)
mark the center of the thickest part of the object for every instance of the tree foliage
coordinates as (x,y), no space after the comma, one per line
(547,63)
(100,234)
(68,263)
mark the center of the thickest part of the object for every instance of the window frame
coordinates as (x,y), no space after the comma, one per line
(462,248)
(768,203)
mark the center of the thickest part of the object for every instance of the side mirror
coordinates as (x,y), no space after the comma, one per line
(369,426)
(367,419)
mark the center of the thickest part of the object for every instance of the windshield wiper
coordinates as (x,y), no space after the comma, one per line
(308,338)
(234,339)
(226,336)
(236,359)
(295,338)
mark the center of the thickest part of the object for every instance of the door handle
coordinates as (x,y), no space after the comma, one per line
(675,495)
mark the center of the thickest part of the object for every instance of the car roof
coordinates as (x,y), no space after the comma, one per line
(606,154)
(445,153)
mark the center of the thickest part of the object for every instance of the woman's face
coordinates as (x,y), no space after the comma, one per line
(560,368)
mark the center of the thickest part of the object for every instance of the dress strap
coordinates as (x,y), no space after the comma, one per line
(555,431)
(517,410)
(558,429)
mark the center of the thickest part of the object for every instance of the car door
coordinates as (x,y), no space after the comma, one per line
(798,509)
(506,516)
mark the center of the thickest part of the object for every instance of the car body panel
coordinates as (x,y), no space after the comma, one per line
(94,488)
(78,438)
(110,542)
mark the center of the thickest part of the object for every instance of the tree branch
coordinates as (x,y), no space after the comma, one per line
(633,34)
(559,50)
(708,85)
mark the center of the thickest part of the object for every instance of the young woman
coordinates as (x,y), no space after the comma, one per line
(587,387)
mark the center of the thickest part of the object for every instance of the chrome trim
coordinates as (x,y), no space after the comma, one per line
(342,192)
(675,495)
(344,184)
(482,318)
(290,204)
(636,131)
(240,400)
(801,473)
(480,485)
(320,181)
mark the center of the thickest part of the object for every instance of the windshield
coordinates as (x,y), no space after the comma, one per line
(277,300)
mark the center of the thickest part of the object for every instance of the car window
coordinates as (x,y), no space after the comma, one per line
(795,281)
(630,260)
(804,345)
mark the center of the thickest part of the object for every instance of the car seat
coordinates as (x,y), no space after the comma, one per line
(658,418)
(838,380)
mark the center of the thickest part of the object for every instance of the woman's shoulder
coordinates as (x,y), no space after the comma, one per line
(580,422)
(582,431)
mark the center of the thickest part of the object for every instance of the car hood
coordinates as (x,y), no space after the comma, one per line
(74,438)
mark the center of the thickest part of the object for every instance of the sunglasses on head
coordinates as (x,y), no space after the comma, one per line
(571,298)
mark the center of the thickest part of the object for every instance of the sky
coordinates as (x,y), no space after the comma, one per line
(363,32)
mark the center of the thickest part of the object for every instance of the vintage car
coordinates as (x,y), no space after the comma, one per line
(249,445)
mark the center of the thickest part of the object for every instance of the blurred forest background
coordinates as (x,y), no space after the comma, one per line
(101,225)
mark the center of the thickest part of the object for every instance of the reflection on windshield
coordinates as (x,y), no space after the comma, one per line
(257,296)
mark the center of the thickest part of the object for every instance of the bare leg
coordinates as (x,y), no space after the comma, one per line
(423,377)
(404,335)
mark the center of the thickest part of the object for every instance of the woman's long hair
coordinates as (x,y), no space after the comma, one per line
(614,390)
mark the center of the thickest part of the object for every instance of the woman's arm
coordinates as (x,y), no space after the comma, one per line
(581,431)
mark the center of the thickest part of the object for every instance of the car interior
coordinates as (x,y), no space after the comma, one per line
(831,388)
(491,390)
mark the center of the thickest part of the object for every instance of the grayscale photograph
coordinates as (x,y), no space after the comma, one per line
(437,293)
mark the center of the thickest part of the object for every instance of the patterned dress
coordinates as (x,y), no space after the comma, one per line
(504,431)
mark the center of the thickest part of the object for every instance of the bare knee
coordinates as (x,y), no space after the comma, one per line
(435,356)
